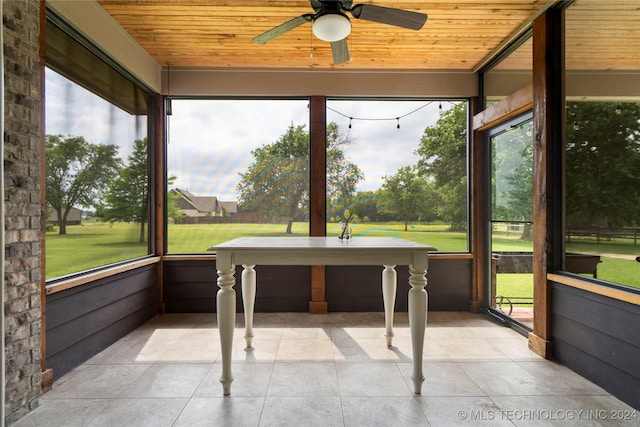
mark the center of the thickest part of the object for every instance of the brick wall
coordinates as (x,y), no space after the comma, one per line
(22,309)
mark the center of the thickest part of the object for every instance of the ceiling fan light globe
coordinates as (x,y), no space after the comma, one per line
(331,27)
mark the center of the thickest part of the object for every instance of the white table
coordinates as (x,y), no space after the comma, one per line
(384,251)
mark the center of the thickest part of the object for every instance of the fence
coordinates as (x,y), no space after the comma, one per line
(236,218)
(604,233)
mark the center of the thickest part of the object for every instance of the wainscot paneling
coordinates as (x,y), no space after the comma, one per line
(360,289)
(190,286)
(86,319)
(599,338)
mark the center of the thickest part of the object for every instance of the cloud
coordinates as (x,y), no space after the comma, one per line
(379,148)
(72,110)
(210,141)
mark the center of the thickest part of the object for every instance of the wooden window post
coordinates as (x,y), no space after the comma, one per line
(318,191)
(548,154)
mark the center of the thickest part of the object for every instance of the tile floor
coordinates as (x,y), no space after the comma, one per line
(324,370)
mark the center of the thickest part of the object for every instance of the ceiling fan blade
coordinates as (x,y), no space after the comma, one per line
(387,15)
(281,29)
(340,51)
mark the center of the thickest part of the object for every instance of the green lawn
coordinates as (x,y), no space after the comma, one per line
(95,244)
(197,238)
(91,245)
(611,269)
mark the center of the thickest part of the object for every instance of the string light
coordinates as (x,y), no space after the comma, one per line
(575,125)
(397,118)
(618,109)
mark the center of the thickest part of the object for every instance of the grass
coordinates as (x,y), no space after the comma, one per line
(95,244)
(197,238)
(91,245)
(615,270)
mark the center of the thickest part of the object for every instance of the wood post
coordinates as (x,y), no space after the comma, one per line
(477,201)
(548,182)
(318,191)
(159,188)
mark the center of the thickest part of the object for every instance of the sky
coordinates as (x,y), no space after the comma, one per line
(210,141)
(98,121)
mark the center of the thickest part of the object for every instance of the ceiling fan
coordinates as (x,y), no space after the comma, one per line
(331,24)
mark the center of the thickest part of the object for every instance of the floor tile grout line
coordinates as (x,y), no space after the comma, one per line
(458,364)
(332,327)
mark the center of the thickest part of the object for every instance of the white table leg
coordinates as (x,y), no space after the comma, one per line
(248,300)
(226,313)
(417,322)
(389,286)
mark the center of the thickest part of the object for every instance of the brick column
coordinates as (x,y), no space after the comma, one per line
(21,175)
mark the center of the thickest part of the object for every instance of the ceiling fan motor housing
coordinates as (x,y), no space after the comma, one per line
(331,26)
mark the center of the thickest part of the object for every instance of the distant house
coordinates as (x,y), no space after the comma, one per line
(196,206)
(73,218)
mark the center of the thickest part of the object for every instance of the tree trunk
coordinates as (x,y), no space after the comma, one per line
(62,222)
(141,239)
(293,208)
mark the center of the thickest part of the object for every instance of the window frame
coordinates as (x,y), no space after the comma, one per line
(56,284)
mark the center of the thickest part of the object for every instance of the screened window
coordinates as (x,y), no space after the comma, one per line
(602,136)
(602,199)
(236,168)
(97,161)
(398,168)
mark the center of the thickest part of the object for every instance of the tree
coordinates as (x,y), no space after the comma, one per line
(127,199)
(363,203)
(342,175)
(512,177)
(443,151)
(77,173)
(406,196)
(173,211)
(520,196)
(277,182)
(603,164)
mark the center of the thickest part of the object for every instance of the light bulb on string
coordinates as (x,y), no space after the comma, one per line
(618,110)
(575,125)
(397,118)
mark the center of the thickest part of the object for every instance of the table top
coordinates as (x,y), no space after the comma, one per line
(318,243)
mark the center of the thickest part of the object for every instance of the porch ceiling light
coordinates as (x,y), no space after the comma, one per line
(332,26)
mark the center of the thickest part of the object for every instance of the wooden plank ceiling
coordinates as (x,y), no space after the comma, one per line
(215,33)
(458,35)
